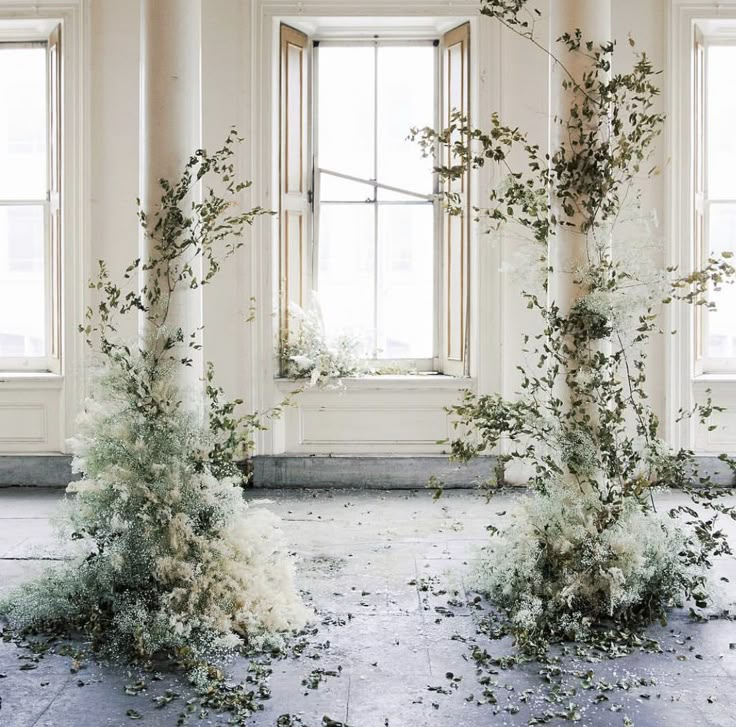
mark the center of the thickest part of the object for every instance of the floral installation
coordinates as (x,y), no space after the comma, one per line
(174,563)
(306,353)
(587,547)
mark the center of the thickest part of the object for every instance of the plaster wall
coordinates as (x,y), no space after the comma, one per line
(393,415)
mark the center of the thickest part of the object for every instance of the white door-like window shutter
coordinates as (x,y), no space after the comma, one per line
(454,309)
(293,173)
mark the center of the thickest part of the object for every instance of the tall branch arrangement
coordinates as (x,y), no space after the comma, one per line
(173,562)
(588,545)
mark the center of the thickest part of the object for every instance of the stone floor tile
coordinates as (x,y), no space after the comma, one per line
(384,645)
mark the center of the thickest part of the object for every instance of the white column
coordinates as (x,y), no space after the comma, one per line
(170,131)
(593,18)
(569,247)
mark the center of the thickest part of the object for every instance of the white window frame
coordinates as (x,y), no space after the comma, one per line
(364,21)
(687,378)
(261,28)
(389,37)
(51,361)
(704,364)
(55,395)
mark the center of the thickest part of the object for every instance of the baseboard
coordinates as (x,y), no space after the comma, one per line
(383,472)
(34,470)
(318,471)
(400,471)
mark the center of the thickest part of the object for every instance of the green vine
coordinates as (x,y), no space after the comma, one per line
(582,423)
(175,563)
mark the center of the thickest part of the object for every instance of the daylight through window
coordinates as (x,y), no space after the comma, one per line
(375,217)
(719,197)
(25,205)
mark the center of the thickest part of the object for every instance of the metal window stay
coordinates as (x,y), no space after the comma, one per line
(376,186)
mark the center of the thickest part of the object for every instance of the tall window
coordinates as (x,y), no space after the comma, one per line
(360,221)
(375,222)
(29,204)
(715,186)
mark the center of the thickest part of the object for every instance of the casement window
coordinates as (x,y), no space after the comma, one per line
(361,223)
(714,185)
(30,195)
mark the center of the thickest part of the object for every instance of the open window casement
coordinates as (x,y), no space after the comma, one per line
(294,202)
(54,193)
(454,342)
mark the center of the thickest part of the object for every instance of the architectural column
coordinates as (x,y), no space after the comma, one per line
(569,247)
(593,17)
(170,131)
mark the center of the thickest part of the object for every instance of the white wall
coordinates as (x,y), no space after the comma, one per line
(237,73)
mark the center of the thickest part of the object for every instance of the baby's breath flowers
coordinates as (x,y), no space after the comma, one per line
(306,353)
(174,562)
(587,546)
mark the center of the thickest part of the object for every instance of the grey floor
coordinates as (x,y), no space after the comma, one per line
(385,572)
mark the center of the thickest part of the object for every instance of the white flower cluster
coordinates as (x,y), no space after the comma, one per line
(307,354)
(176,561)
(566,562)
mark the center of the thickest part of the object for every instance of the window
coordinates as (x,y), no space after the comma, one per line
(375,215)
(29,204)
(715,192)
(361,224)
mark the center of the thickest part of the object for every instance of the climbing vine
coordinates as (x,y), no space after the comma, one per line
(588,545)
(173,562)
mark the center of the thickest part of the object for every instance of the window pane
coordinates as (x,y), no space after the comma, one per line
(406,275)
(23,119)
(346,272)
(22,288)
(406,87)
(346,89)
(721,117)
(336,189)
(721,342)
(389,195)
(395,86)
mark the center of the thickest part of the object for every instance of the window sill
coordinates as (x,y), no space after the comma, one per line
(388,382)
(30,380)
(707,379)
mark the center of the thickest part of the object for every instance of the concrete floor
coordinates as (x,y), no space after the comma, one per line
(392,634)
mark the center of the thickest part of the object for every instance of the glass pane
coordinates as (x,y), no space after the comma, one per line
(721,117)
(336,189)
(405,276)
(345,107)
(23,119)
(721,339)
(388,195)
(346,272)
(406,88)
(22,288)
